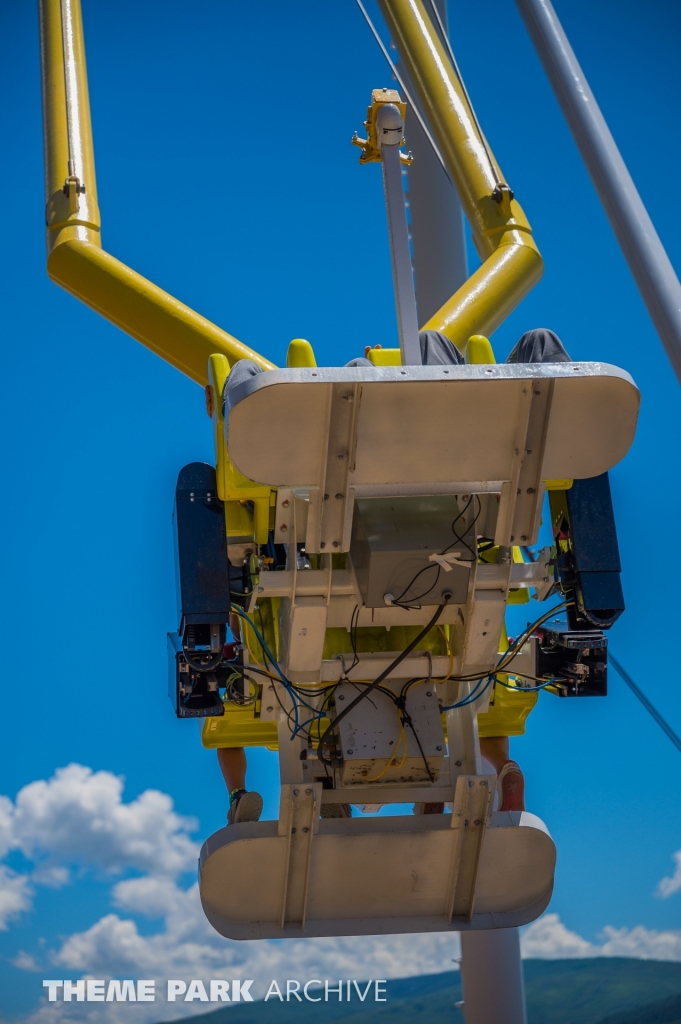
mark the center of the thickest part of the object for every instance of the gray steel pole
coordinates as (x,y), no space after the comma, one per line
(649,264)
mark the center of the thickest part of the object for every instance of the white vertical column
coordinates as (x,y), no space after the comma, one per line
(390,132)
(492,977)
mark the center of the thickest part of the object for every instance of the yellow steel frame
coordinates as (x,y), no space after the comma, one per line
(502,235)
(76,259)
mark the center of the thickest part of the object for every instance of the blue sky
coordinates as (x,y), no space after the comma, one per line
(226,175)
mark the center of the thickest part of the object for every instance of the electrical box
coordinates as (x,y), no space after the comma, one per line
(192,694)
(372,738)
(578,658)
(393,539)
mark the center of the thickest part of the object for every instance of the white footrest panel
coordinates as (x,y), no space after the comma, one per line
(374,876)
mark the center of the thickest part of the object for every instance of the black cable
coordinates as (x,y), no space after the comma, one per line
(379,679)
(411,600)
(204,666)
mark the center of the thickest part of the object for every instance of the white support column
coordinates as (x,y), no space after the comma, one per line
(390,133)
(492,977)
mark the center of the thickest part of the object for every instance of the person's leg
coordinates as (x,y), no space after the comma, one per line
(243,806)
(539,346)
(232,761)
(510,781)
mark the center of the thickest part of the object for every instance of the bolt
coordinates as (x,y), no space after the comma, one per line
(537,392)
(438,748)
(429,693)
(296,792)
(336,543)
(523,537)
(285,503)
(484,782)
(293,830)
(307,829)
(530,490)
(322,544)
(260,590)
(470,782)
(307,792)
(191,494)
(340,497)
(326,497)
(270,709)
(465,823)
(476,822)
(341,697)
(458,764)
(283,527)
(349,751)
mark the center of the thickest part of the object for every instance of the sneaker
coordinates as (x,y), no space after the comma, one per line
(511,788)
(244,806)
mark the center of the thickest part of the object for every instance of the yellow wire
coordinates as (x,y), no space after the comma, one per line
(402,739)
(450,652)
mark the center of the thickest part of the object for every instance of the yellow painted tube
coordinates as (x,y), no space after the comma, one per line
(76,260)
(501,231)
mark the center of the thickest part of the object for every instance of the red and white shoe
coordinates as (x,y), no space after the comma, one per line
(511,788)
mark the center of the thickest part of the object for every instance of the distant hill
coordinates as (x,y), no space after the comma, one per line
(598,991)
(664,1011)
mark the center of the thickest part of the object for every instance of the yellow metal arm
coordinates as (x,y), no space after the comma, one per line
(76,259)
(502,235)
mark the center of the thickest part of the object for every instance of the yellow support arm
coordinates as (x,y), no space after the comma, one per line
(502,235)
(76,260)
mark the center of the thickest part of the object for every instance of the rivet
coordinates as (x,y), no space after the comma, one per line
(270,709)
(341,697)
(292,831)
(285,503)
(458,764)
(326,497)
(296,792)
(523,537)
(322,544)
(429,693)
(470,782)
(340,497)
(530,490)
(336,543)
(283,527)
(306,830)
(476,822)
(307,792)
(349,751)
(438,748)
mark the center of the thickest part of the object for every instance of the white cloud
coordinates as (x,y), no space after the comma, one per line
(549,939)
(668,886)
(15,895)
(641,943)
(25,962)
(78,816)
(6,830)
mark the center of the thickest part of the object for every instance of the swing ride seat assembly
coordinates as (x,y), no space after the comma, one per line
(333,442)
(333,492)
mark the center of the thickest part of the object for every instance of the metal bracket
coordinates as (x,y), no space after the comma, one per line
(470,814)
(299,810)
